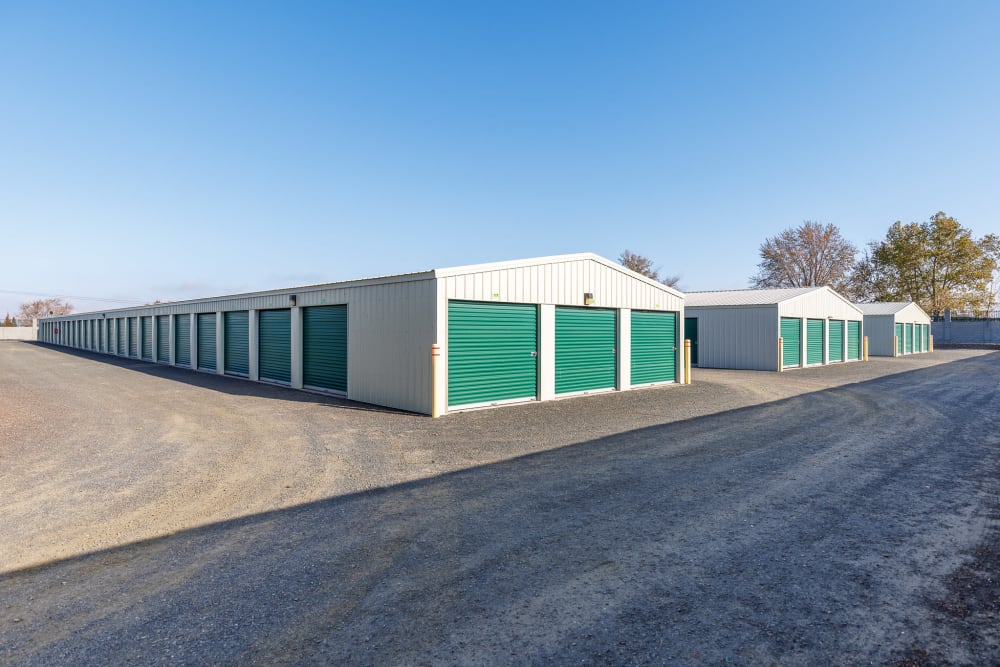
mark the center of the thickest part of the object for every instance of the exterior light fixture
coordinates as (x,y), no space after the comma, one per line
(292,299)
(588,298)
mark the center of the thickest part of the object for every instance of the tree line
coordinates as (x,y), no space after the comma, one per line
(937,264)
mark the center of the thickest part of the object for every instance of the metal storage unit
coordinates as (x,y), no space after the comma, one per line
(492,353)
(120,326)
(275,340)
(585,349)
(853,341)
(236,357)
(654,347)
(814,342)
(382,353)
(927,337)
(836,347)
(182,340)
(109,339)
(207,349)
(163,339)
(739,329)
(324,348)
(901,319)
(146,327)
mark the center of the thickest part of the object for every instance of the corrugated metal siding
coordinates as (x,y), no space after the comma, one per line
(275,345)
(820,304)
(146,325)
(836,350)
(324,347)
(880,330)
(654,341)
(133,339)
(122,340)
(744,338)
(236,357)
(492,352)
(561,283)
(585,349)
(163,339)
(182,340)
(206,342)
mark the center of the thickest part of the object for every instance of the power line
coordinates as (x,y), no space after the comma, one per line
(138,302)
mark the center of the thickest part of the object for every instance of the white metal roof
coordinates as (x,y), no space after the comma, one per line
(883,307)
(745,297)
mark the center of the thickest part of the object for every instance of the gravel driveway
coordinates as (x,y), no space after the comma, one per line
(840,515)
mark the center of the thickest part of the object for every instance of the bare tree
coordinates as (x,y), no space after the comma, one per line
(644,266)
(806,256)
(33,310)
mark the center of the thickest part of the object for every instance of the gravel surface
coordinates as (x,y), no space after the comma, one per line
(840,515)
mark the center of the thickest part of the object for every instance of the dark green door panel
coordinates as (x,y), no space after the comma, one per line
(163,339)
(109,341)
(121,349)
(585,349)
(275,345)
(206,341)
(654,347)
(133,340)
(927,337)
(854,341)
(324,347)
(814,342)
(236,353)
(791,336)
(909,339)
(492,352)
(146,324)
(691,334)
(899,339)
(918,332)
(836,351)
(182,340)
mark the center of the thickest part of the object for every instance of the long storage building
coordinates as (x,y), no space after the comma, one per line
(526,330)
(740,329)
(896,327)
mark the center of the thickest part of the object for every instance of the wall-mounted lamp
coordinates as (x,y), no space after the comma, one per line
(292,299)
(588,298)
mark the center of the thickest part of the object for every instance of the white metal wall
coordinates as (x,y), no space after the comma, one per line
(738,337)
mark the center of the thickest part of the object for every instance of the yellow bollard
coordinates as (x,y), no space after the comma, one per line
(864,357)
(435,371)
(930,343)
(781,353)
(687,361)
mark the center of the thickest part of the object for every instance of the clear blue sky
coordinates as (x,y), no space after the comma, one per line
(175,150)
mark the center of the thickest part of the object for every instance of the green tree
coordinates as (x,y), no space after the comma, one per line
(938,264)
(810,255)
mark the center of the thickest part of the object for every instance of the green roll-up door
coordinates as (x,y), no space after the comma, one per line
(918,334)
(237,342)
(324,347)
(206,341)
(492,352)
(691,334)
(836,351)
(927,337)
(147,336)
(791,336)
(909,339)
(899,339)
(122,339)
(814,342)
(854,341)
(163,339)
(182,340)
(275,345)
(585,349)
(654,347)
(109,340)
(133,340)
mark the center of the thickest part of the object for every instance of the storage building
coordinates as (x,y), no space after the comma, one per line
(525,330)
(740,328)
(896,327)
